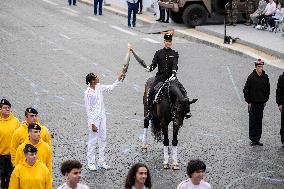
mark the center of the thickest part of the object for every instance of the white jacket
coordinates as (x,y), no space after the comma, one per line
(94,102)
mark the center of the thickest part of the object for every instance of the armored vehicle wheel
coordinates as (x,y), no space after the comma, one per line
(194,15)
(176,17)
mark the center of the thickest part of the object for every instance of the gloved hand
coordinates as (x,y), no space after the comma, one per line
(148,69)
(174,75)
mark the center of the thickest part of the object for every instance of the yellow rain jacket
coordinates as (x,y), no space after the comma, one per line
(25,176)
(20,136)
(7,128)
(44,153)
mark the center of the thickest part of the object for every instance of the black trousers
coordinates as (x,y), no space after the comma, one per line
(255,121)
(282,127)
(6,169)
(139,6)
(70,2)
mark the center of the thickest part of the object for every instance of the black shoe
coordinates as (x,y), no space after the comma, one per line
(252,143)
(259,143)
(159,20)
(166,21)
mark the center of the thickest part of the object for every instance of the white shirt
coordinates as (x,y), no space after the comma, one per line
(79,186)
(187,184)
(94,101)
(270,8)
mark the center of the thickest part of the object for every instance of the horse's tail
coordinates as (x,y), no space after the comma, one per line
(156,129)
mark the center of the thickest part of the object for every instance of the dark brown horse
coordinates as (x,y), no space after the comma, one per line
(167,109)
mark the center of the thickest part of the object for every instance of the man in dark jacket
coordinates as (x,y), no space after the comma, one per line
(256,93)
(280,102)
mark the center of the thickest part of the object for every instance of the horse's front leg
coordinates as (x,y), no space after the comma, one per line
(166,142)
(145,135)
(175,143)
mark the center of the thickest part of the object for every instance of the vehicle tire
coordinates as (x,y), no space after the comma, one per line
(176,17)
(219,6)
(194,15)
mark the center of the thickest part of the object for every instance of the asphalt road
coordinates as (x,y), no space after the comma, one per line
(46,50)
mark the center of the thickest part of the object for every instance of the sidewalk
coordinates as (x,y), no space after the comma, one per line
(254,43)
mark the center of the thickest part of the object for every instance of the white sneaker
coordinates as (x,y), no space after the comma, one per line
(258,27)
(104,165)
(92,167)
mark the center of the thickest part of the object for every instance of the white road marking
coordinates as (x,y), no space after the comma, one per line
(123,30)
(234,84)
(95,19)
(65,36)
(71,10)
(50,2)
(69,13)
(150,40)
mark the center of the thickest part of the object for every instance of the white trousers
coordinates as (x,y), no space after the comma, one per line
(99,136)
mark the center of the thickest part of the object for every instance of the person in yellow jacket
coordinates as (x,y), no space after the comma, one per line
(8,124)
(44,153)
(21,133)
(30,173)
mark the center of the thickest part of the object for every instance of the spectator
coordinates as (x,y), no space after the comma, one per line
(95,109)
(163,13)
(279,14)
(8,124)
(139,6)
(259,11)
(132,10)
(71,169)
(138,177)
(96,2)
(30,173)
(195,171)
(44,153)
(280,102)
(21,133)
(268,13)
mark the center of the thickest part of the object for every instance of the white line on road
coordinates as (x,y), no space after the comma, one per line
(69,13)
(123,30)
(96,20)
(50,2)
(71,10)
(150,40)
(234,84)
(65,36)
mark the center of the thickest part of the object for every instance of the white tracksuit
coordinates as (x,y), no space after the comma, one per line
(94,103)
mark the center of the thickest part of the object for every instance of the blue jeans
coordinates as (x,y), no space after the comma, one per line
(96,2)
(132,9)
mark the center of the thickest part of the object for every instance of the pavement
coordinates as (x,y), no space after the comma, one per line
(251,42)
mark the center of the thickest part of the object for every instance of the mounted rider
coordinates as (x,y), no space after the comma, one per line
(166,60)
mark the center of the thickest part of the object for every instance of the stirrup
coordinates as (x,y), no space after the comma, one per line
(176,166)
(166,165)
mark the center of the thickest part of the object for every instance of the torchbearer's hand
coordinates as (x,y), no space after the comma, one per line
(94,128)
(129,46)
(147,69)
(249,106)
(121,77)
(280,108)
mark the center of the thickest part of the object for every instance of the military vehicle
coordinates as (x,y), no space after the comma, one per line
(196,12)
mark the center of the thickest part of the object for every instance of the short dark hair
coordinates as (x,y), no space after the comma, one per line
(130,179)
(90,77)
(195,165)
(67,166)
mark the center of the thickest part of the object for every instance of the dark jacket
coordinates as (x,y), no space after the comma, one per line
(166,60)
(257,88)
(280,90)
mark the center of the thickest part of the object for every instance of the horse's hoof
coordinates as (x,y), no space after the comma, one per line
(176,166)
(166,165)
(144,148)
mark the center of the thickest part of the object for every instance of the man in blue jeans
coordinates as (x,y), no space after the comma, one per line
(96,2)
(132,9)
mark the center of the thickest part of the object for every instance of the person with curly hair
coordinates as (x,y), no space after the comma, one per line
(195,171)
(138,177)
(72,170)
(95,108)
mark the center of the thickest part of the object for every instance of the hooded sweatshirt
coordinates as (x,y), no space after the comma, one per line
(44,153)
(26,176)
(7,128)
(20,136)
